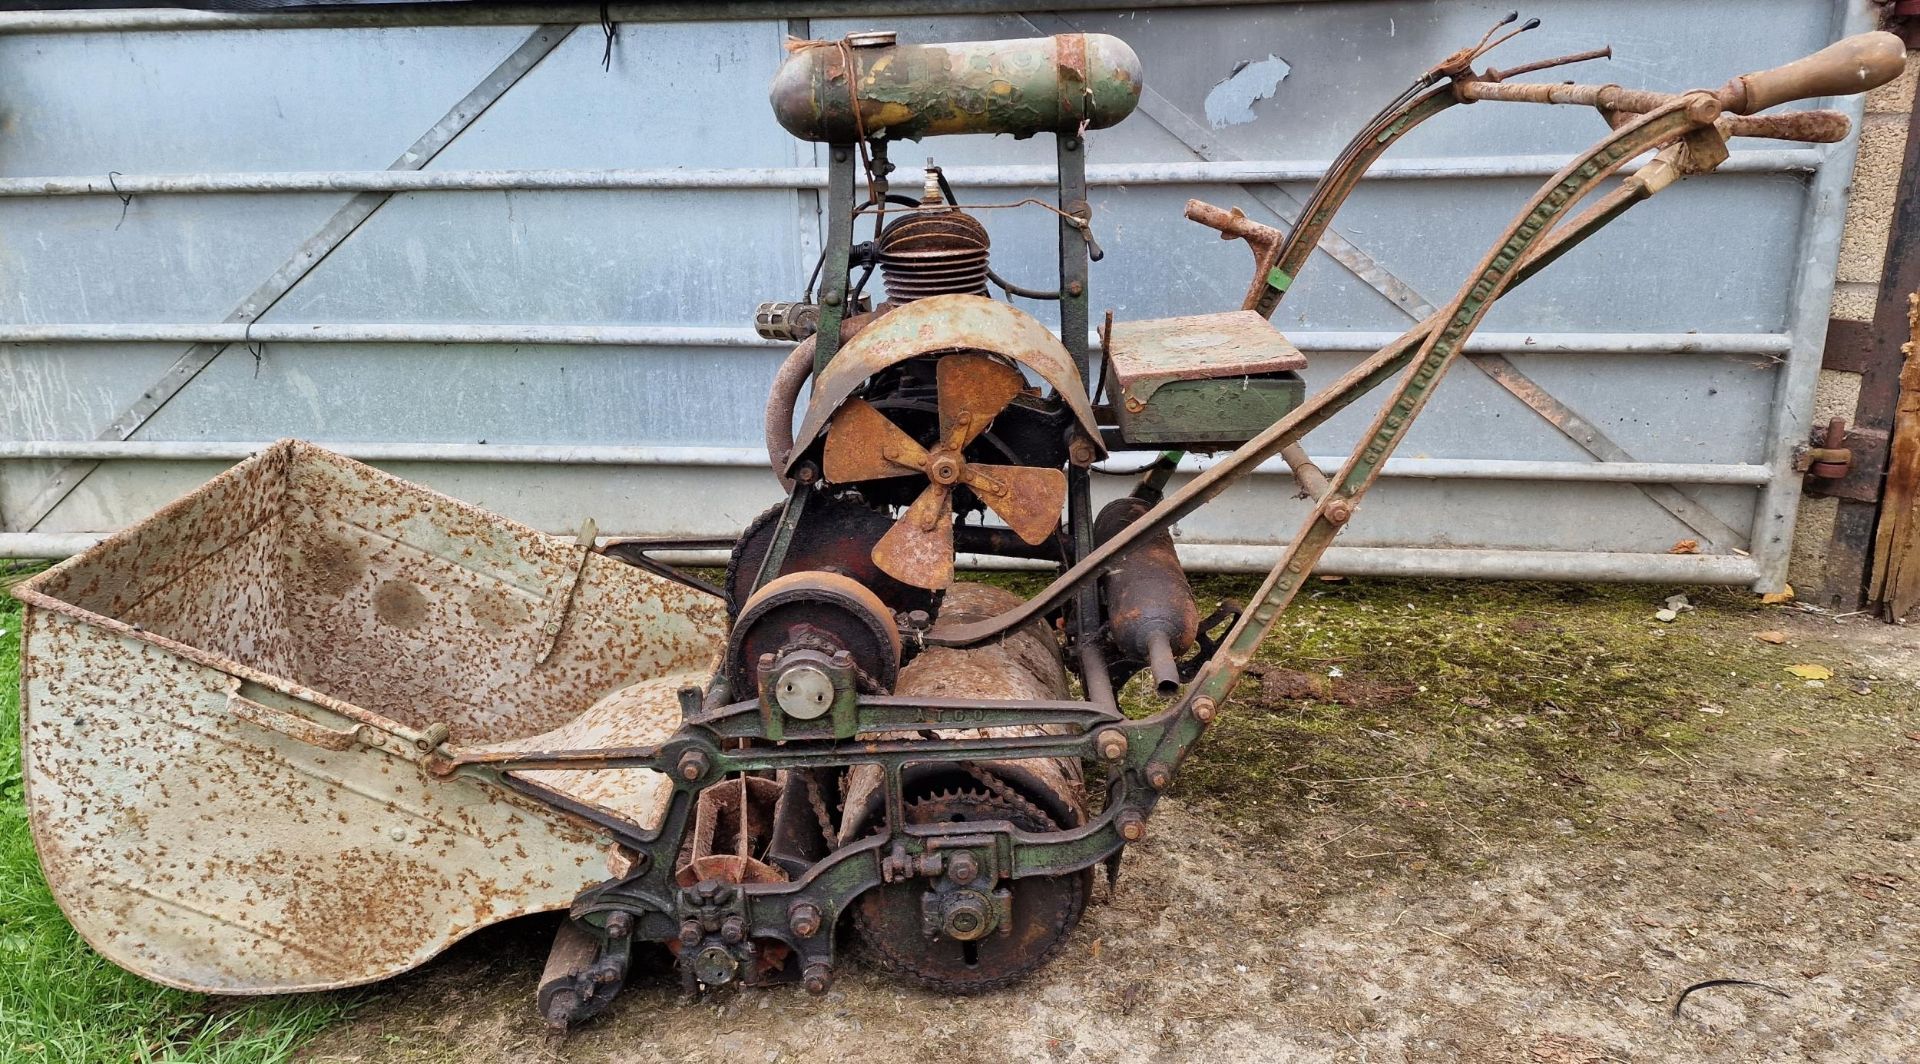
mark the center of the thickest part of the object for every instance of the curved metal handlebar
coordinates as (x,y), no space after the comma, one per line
(1857,64)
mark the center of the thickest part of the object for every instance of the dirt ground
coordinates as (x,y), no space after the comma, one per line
(1769,836)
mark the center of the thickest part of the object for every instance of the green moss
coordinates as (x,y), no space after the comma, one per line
(1500,702)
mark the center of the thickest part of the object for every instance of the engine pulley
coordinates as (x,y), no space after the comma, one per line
(812,623)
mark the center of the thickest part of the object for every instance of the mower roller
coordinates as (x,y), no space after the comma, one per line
(309,725)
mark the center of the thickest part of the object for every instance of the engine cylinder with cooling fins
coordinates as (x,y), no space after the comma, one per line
(933,253)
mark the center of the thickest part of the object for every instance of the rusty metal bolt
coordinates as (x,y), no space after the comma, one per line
(691,934)
(1080,450)
(1074,288)
(804,919)
(693,765)
(944,468)
(733,929)
(818,978)
(1339,511)
(1136,404)
(967,917)
(1203,709)
(963,868)
(1112,744)
(1158,776)
(1133,826)
(806,473)
(1703,109)
(620,925)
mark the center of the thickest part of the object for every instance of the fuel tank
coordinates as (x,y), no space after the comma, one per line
(908,91)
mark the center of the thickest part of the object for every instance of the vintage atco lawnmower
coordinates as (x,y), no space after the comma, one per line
(309,725)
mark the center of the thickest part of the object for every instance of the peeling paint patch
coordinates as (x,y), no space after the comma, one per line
(1230,103)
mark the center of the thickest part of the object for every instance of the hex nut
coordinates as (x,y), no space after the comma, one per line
(818,978)
(804,919)
(1133,826)
(963,868)
(1203,709)
(1158,776)
(693,765)
(1112,744)
(733,929)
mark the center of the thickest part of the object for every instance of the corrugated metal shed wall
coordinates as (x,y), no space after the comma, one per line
(1682,344)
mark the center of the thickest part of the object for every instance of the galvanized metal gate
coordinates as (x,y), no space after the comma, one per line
(519,264)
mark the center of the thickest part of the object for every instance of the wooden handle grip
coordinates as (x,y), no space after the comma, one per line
(1859,63)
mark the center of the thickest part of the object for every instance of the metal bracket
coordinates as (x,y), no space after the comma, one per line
(1844,462)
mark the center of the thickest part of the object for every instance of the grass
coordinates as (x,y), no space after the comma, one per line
(61,1002)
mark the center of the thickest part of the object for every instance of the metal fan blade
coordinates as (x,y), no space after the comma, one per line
(1027,498)
(973,391)
(918,549)
(863,445)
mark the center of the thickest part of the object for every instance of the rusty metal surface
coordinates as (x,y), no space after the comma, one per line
(936,325)
(973,390)
(908,91)
(1025,665)
(226,709)
(1151,613)
(933,252)
(732,822)
(1144,355)
(643,714)
(1206,382)
(1042,911)
(814,607)
(1852,65)
(833,534)
(918,549)
(862,445)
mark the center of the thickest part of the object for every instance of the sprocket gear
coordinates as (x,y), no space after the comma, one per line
(889,922)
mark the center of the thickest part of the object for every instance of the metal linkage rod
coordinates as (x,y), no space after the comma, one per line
(1311,478)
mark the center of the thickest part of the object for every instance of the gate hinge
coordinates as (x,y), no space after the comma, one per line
(1842,462)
